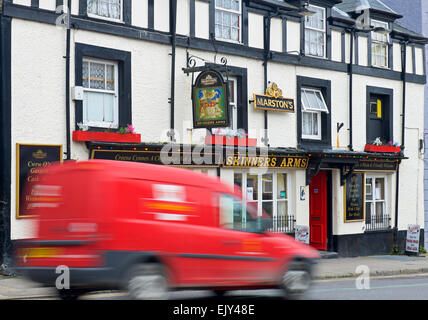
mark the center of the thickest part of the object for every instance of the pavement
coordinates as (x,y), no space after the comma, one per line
(330,267)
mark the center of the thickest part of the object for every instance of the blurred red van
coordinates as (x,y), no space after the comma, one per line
(149,229)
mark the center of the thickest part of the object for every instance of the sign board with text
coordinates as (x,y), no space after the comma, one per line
(412,238)
(302,234)
(354,198)
(30,159)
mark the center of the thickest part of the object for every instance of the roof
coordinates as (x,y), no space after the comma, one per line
(359,5)
(402,31)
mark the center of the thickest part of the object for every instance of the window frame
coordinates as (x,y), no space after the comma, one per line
(323,31)
(326,133)
(314,111)
(240,22)
(385,201)
(288,200)
(124,60)
(115,93)
(96,16)
(374,42)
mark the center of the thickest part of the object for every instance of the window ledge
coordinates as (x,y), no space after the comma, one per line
(106,136)
(387,149)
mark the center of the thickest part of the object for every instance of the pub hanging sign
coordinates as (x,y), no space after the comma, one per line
(273,100)
(210,101)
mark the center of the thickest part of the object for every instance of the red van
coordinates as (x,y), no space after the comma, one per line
(149,229)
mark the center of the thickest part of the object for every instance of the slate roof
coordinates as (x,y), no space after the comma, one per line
(355,5)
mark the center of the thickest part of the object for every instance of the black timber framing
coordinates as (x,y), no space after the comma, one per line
(5,145)
(97,25)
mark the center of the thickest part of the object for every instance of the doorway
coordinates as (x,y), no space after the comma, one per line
(318,204)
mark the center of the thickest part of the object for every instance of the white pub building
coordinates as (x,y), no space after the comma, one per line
(317,113)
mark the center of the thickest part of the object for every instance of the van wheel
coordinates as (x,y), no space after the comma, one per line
(147,282)
(220,293)
(296,280)
(69,294)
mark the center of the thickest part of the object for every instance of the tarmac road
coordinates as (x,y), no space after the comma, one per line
(396,287)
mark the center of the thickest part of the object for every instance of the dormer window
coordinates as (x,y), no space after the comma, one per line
(380,45)
(315,32)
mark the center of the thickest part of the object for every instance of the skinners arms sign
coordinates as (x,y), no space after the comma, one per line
(273,100)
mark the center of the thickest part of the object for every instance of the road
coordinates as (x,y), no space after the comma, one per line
(404,287)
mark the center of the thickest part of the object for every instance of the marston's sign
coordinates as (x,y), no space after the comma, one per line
(273,100)
(271,161)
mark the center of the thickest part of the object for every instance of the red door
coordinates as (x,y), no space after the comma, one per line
(318,211)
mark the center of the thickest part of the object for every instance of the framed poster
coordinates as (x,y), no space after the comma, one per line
(30,158)
(210,101)
(354,198)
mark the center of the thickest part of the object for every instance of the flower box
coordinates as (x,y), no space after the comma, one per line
(106,136)
(230,141)
(388,149)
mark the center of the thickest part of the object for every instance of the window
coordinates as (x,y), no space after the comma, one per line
(313,105)
(100,99)
(376,215)
(315,32)
(233,105)
(110,9)
(228,20)
(235,216)
(380,45)
(268,193)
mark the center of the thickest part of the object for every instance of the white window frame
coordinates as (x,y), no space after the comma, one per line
(373,202)
(233,108)
(313,111)
(385,44)
(235,12)
(288,200)
(323,31)
(104,124)
(96,16)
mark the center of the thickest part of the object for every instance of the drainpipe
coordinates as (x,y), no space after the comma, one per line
(173,30)
(351,74)
(267,25)
(403,124)
(67,83)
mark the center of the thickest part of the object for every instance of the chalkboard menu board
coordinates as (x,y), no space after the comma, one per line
(354,198)
(30,158)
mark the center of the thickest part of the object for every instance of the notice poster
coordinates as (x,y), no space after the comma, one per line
(302,234)
(412,238)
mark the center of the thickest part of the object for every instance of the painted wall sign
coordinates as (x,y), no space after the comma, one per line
(30,159)
(172,158)
(273,100)
(412,238)
(377,165)
(270,161)
(354,200)
(210,101)
(302,234)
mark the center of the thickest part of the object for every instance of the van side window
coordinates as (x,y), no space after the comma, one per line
(235,216)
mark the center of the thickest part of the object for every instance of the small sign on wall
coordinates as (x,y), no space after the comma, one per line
(30,159)
(302,234)
(412,238)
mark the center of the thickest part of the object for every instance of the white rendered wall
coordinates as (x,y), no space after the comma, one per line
(255,30)
(293,36)
(336,46)
(140,13)
(202,18)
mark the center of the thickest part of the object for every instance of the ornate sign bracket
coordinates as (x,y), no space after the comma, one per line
(191,66)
